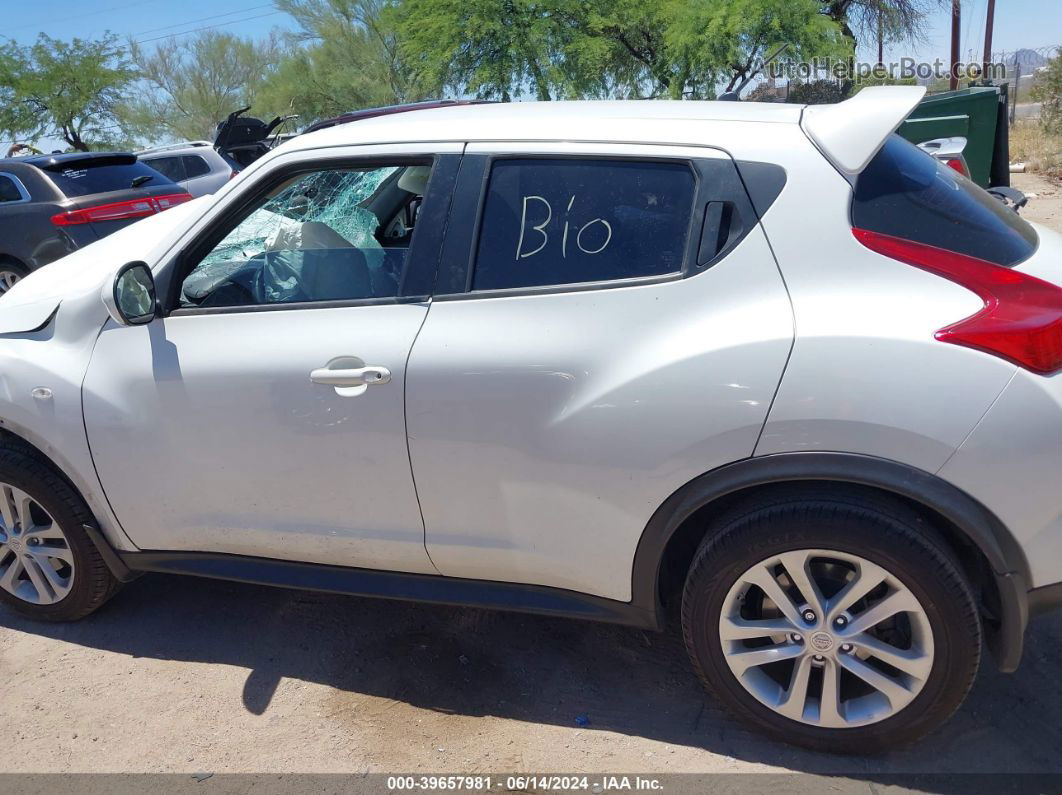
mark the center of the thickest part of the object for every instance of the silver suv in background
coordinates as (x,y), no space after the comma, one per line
(193,165)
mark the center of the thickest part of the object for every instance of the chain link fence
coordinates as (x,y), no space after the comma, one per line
(1022,65)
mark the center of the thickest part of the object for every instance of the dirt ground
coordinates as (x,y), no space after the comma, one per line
(193,675)
(1045,206)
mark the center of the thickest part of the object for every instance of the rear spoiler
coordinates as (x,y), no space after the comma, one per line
(850,133)
(85,159)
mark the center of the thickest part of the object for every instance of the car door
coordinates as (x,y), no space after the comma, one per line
(170,166)
(263,414)
(609,323)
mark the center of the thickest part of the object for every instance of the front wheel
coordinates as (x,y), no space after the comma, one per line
(49,568)
(838,624)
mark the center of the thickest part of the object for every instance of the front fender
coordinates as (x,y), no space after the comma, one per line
(41,373)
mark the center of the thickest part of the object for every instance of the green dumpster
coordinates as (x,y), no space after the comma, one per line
(978,114)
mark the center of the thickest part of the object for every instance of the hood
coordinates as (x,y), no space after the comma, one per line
(31,302)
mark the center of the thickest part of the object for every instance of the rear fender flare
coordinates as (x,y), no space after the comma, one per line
(983,529)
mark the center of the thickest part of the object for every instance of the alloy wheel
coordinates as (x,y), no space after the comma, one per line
(826,638)
(36,562)
(8,279)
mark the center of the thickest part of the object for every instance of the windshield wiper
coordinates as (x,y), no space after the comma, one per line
(138,181)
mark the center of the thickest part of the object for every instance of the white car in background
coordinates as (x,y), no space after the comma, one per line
(196,166)
(771,363)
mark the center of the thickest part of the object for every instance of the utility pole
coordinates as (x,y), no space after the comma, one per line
(956,28)
(881,35)
(990,14)
(1017,79)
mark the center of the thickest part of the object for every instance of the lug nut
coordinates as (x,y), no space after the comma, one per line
(796,637)
(846,648)
(809,616)
(819,658)
(841,621)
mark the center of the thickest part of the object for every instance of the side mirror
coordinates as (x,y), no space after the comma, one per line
(130,298)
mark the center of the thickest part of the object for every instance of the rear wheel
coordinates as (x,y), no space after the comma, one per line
(49,569)
(11,273)
(843,626)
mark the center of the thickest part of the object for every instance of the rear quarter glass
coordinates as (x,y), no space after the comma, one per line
(906,193)
(86,180)
(195,166)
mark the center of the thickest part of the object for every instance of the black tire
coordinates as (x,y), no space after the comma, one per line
(878,530)
(92,584)
(8,265)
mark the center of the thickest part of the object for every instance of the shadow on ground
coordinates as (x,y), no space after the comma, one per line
(544,670)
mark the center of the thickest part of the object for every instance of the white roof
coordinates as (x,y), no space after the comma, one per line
(597,121)
(848,133)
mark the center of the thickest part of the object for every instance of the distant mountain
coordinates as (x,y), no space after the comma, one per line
(1029,59)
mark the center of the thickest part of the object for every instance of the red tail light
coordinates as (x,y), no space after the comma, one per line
(957,164)
(1022,317)
(120,211)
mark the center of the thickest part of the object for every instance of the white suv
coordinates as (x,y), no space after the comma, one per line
(768,362)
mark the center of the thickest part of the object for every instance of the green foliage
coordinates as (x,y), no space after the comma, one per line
(350,54)
(489,48)
(187,86)
(348,57)
(1048,90)
(863,21)
(763,93)
(818,92)
(606,48)
(69,90)
(740,36)
(862,82)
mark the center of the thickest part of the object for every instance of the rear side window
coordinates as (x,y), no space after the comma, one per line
(195,166)
(170,167)
(909,194)
(84,179)
(9,191)
(554,222)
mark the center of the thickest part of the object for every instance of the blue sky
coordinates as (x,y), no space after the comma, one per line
(1019,23)
(141,19)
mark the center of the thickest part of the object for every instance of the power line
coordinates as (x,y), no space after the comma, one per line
(970,14)
(204,19)
(95,13)
(208,27)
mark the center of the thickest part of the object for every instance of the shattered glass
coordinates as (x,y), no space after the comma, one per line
(330,197)
(313,240)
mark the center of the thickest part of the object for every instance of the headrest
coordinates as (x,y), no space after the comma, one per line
(415,179)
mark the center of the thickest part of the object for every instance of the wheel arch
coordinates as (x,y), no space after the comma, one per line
(990,556)
(11,259)
(111,532)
